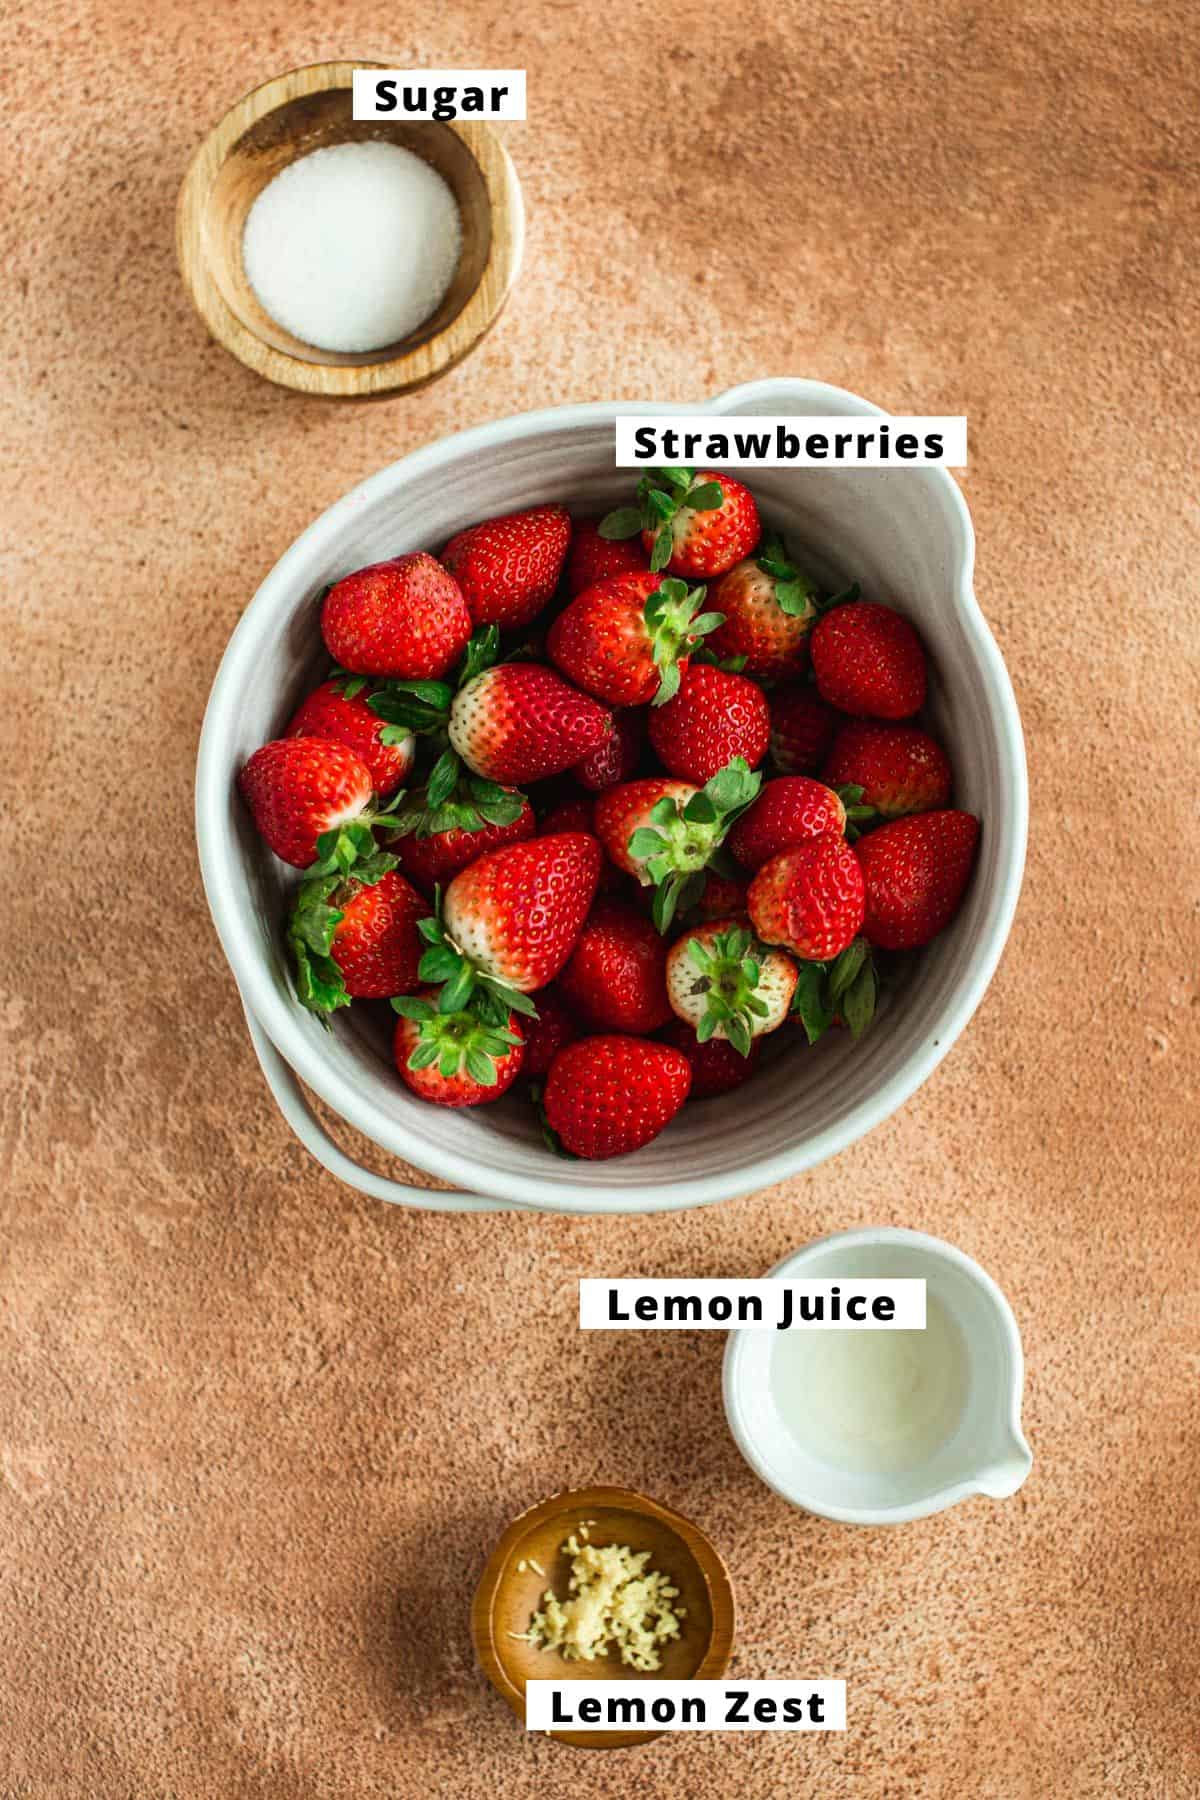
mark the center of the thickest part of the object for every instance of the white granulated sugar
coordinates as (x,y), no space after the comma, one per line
(352,247)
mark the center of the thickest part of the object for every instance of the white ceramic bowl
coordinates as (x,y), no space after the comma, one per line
(986,1453)
(905,533)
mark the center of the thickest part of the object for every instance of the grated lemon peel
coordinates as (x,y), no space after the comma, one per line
(614,1602)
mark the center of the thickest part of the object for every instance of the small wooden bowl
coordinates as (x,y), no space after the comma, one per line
(508,1596)
(306,110)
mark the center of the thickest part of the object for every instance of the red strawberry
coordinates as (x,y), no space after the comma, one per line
(868,661)
(809,899)
(456,1058)
(915,872)
(329,712)
(593,558)
(615,975)
(724,984)
(714,717)
(899,769)
(769,610)
(787,811)
(355,937)
(693,524)
(300,788)
(717,1068)
(606,1096)
(434,859)
(802,729)
(405,618)
(664,832)
(626,639)
(514,915)
(615,757)
(554,1028)
(521,722)
(509,567)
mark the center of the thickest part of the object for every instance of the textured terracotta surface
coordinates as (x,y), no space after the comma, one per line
(256,1433)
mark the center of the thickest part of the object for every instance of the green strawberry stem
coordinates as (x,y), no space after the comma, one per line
(662,494)
(316,914)
(673,624)
(455,1038)
(847,987)
(464,984)
(727,974)
(455,801)
(678,844)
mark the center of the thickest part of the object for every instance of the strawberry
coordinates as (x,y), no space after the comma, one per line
(802,729)
(615,976)
(508,567)
(725,984)
(717,1068)
(787,811)
(809,899)
(593,558)
(606,1096)
(511,919)
(868,661)
(310,799)
(615,757)
(626,639)
(355,936)
(405,618)
(454,1058)
(714,717)
(693,524)
(915,872)
(665,832)
(897,768)
(436,842)
(769,611)
(554,1028)
(520,722)
(338,710)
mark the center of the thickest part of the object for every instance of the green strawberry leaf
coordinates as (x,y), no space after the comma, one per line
(859,999)
(707,496)
(442,779)
(846,968)
(660,555)
(623,522)
(483,648)
(809,1002)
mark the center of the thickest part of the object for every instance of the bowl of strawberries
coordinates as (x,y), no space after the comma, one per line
(604,843)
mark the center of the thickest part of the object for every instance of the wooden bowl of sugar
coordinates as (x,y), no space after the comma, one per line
(453,227)
(530,1558)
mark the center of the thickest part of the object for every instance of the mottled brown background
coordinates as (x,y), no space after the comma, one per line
(257,1433)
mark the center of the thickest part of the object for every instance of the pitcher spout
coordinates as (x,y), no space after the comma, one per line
(1005,1474)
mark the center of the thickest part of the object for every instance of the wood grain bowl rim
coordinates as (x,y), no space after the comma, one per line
(411,368)
(708,1559)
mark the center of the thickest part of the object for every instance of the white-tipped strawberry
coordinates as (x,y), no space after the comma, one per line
(724,983)
(522,722)
(511,919)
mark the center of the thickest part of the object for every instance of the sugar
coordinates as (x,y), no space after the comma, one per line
(353,247)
